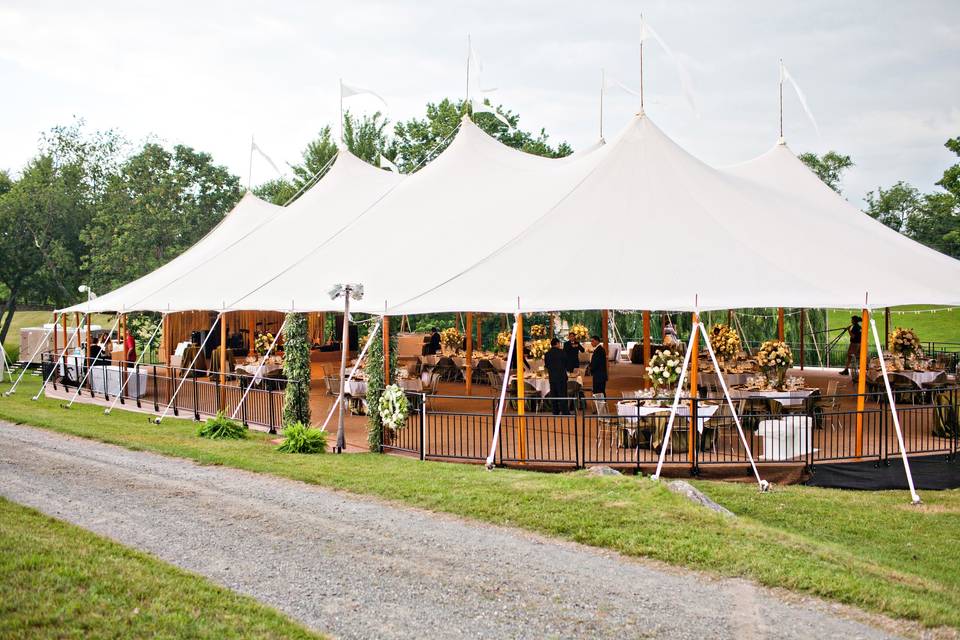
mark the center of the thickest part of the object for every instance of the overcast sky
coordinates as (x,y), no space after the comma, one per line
(881,78)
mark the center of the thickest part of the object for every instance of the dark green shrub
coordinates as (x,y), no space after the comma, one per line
(300,438)
(222,428)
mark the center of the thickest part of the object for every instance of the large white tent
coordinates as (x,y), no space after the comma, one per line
(637,223)
(669,232)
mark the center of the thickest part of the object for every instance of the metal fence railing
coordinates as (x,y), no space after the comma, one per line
(152,386)
(778,429)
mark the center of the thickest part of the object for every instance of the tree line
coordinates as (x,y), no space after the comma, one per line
(93,208)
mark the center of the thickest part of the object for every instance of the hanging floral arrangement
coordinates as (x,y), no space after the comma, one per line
(394,407)
(580,332)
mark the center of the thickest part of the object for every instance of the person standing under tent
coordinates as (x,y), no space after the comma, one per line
(129,348)
(853,351)
(572,350)
(434,346)
(555,362)
(598,366)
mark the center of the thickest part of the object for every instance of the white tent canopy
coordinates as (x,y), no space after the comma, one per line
(637,223)
(669,232)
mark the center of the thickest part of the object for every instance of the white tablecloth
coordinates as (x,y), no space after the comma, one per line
(358,388)
(629,409)
(108,378)
(785,438)
(794,398)
(269,370)
(710,377)
(918,378)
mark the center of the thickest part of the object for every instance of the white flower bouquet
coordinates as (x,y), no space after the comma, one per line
(905,343)
(664,368)
(394,407)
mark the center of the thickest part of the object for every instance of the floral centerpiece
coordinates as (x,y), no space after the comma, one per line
(664,368)
(580,332)
(451,338)
(905,344)
(774,358)
(394,407)
(539,348)
(538,331)
(503,341)
(725,343)
(262,344)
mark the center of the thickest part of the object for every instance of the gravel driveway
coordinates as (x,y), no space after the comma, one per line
(359,568)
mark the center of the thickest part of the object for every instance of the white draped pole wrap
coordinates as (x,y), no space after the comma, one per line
(764,485)
(189,369)
(893,410)
(90,365)
(126,379)
(256,374)
(40,345)
(76,334)
(676,402)
(363,352)
(503,394)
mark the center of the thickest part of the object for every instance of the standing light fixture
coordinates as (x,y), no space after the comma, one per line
(347,292)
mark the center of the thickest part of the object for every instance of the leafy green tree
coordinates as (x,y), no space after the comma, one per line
(159,203)
(418,140)
(6,182)
(829,167)
(937,225)
(278,191)
(951,177)
(896,205)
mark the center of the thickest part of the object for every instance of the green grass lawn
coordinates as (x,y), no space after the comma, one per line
(872,550)
(60,581)
(943,326)
(37,319)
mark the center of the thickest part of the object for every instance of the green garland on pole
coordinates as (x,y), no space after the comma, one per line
(296,367)
(375,386)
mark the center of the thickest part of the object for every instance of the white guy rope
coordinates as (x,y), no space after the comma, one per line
(6,365)
(56,365)
(503,393)
(190,368)
(40,345)
(363,352)
(764,485)
(89,367)
(263,360)
(676,403)
(123,383)
(893,409)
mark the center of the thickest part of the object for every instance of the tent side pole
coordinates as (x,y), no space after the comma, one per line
(694,356)
(780,331)
(605,331)
(468,368)
(646,347)
(803,314)
(522,439)
(861,386)
(914,497)
(386,350)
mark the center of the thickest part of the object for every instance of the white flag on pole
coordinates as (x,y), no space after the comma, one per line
(609,82)
(477,92)
(255,147)
(785,76)
(386,164)
(646,33)
(349,90)
(479,107)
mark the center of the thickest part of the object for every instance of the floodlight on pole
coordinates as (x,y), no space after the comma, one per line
(347,292)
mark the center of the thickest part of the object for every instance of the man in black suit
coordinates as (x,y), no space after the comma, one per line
(434,346)
(555,362)
(598,366)
(572,350)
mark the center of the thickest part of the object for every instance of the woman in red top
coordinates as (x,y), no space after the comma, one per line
(129,348)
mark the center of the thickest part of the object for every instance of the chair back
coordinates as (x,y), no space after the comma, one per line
(600,404)
(434,381)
